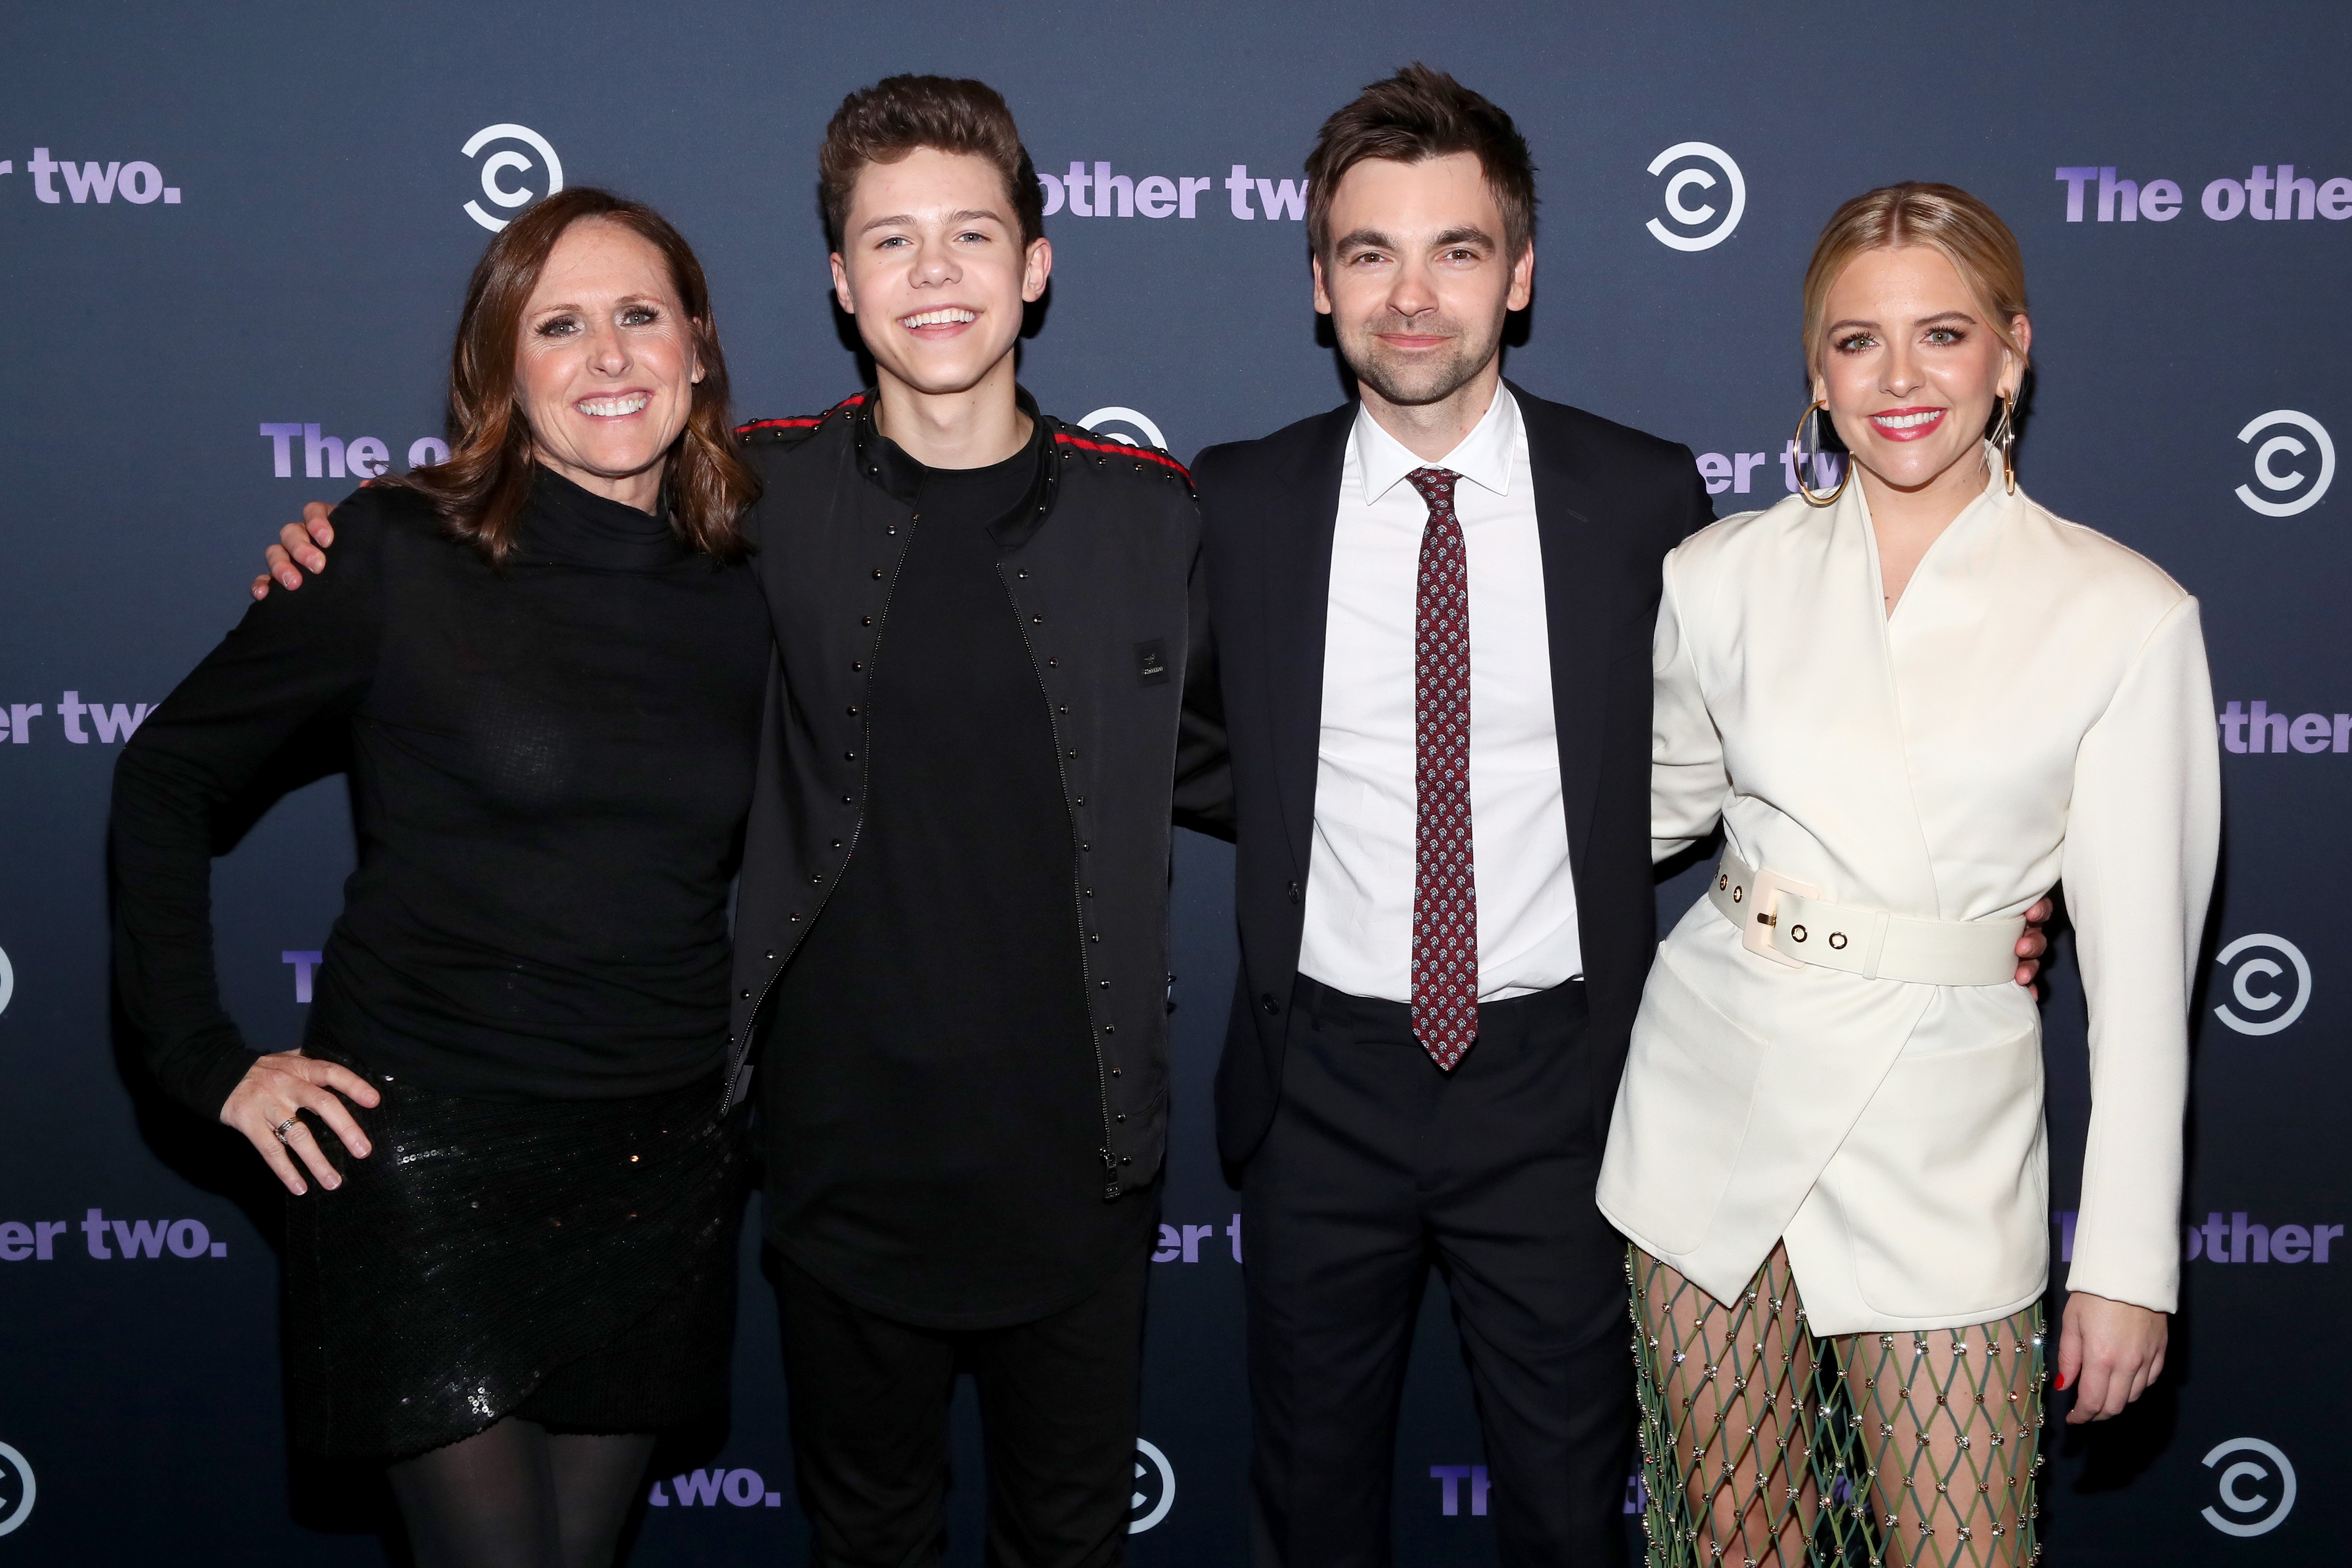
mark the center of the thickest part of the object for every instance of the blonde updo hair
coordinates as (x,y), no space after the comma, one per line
(1946,219)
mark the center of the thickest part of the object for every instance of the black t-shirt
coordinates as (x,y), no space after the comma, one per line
(932,1080)
(551,760)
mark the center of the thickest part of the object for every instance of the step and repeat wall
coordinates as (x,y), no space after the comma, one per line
(233,243)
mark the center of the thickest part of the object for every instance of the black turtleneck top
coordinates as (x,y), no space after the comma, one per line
(550,764)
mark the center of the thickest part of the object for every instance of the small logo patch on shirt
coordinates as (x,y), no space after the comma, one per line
(1150,663)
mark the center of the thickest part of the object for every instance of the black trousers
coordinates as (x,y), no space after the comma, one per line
(869,1413)
(1377,1165)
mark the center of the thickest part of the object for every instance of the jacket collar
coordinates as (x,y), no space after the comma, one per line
(1578,615)
(1572,520)
(1297,584)
(886,465)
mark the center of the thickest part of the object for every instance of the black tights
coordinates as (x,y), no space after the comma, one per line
(518,1496)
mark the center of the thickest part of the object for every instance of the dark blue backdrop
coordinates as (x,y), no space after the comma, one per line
(215,222)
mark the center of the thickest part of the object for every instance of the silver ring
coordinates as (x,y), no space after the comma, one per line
(287,1126)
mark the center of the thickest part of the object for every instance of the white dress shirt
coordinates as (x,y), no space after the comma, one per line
(1359,888)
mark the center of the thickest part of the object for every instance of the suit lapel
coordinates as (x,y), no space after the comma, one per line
(1300,516)
(1576,582)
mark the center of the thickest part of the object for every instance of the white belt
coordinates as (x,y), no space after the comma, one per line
(1788,922)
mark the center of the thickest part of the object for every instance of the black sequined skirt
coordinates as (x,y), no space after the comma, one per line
(572,1262)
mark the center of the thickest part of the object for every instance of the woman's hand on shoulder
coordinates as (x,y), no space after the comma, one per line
(301,547)
(274,1088)
(2108,1353)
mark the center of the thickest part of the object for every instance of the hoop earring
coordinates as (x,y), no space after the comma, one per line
(2005,435)
(1846,469)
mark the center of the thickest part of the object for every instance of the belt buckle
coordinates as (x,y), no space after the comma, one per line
(1756,932)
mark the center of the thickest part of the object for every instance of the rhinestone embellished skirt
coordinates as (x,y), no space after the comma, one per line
(1764,1445)
(568,1261)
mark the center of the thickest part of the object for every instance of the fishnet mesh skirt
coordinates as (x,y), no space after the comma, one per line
(1762,1444)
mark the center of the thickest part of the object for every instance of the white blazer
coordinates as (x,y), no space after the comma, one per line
(2035,710)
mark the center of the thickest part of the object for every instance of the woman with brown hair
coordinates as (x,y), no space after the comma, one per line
(1914,701)
(519,1266)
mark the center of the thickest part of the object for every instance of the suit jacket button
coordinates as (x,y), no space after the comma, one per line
(1268,1003)
(1294,892)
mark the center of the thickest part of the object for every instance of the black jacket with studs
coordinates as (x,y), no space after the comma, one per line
(1102,572)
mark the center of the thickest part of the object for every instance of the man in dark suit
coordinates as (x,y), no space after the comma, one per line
(1433,612)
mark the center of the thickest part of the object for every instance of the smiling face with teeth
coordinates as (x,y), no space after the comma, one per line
(933,268)
(1912,369)
(605,365)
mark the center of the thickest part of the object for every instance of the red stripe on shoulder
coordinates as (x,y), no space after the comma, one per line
(1121,449)
(808,423)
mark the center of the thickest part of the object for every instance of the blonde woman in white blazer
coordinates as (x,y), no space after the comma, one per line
(1915,704)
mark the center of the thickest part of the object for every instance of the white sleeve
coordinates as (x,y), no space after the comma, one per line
(2142,834)
(1687,782)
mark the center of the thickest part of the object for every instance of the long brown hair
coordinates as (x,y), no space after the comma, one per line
(480,490)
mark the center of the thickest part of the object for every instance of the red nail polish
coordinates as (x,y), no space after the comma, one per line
(2062,1383)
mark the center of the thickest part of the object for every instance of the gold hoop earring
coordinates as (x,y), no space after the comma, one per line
(2005,435)
(1797,467)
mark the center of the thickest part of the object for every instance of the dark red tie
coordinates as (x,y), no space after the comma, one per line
(1444,879)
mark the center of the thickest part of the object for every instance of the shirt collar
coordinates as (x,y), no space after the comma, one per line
(888,464)
(1485,457)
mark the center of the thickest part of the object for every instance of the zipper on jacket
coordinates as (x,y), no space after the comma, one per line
(1111,1185)
(864,791)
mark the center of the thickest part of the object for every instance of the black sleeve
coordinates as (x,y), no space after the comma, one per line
(295,660)
(1205,774)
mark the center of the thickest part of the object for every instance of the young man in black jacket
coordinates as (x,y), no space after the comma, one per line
(950,931)
(1434,1000)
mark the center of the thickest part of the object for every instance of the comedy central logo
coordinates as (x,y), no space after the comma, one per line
(17,1489)
(2253,984)
(1155,1489)
(2286,445)
(1126,427)
(2258,1513)
(499,163)
(1712,224)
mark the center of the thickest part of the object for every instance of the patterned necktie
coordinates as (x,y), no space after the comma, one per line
(1444,880)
